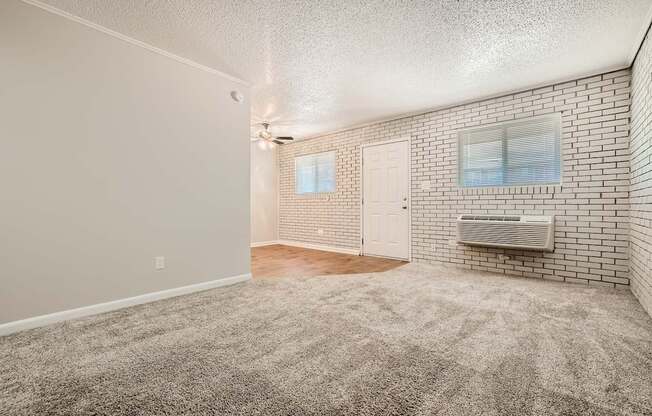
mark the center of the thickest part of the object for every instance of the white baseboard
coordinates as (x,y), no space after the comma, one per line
(38,321)
(264,243)
(351,251)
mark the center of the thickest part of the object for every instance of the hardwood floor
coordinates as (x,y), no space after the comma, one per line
(278,260)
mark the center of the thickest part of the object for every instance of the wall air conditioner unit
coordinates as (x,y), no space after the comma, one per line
(507,231)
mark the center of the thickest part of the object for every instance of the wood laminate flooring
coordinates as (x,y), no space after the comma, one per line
(279,260)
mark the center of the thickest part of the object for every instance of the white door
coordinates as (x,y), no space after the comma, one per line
(385,198)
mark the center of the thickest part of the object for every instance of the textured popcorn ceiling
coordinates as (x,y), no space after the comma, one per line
(318,66)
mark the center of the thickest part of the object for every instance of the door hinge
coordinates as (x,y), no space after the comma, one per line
(363,241)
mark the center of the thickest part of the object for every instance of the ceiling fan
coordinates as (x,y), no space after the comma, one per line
(267,135)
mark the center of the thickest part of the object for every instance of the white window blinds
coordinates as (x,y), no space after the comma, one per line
(521,152)
(315,173)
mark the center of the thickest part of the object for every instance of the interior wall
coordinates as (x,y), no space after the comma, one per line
(641,176)
(591,205)
(110,155)
(264,192)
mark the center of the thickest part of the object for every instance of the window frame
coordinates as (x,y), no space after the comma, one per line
(554,117)
(296,161)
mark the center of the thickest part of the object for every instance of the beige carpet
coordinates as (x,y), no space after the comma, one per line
(418,340)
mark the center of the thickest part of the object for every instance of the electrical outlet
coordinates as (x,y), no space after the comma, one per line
(503,257)
(452,243)
(159,263)
(320,231)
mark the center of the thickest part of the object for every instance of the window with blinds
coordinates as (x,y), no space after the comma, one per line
(523,152)
(315,173)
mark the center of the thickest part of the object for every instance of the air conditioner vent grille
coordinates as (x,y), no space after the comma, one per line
(533,233)
(489,218)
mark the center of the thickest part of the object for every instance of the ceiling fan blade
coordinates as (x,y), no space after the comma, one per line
(285,138)
(278,142)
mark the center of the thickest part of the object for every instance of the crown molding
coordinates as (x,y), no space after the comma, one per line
(133,41)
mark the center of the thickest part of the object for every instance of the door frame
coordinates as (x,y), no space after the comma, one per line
(407,139)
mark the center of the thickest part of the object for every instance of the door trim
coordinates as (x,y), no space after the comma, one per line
(407,139)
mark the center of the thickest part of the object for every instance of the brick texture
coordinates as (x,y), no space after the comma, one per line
(591,205)
(641,176)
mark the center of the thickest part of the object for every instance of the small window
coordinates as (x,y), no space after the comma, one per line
(524,152)
(315,173)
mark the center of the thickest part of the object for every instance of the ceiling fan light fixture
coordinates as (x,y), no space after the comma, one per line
(265,134)
(269,137)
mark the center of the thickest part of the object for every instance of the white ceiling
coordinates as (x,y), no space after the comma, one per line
(320,66)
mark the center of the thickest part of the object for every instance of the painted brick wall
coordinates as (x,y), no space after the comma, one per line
(591,206)
(641,176)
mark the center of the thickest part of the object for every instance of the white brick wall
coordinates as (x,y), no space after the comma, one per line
(591,206)
(641,176)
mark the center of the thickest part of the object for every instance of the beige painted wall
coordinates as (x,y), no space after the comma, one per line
(111,155)
(264,192)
